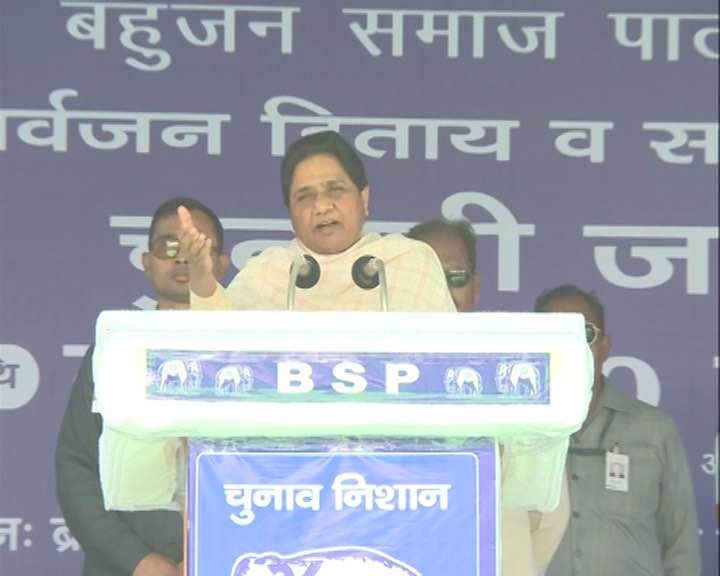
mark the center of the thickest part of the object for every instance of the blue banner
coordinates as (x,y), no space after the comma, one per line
(488,378)
(400,513)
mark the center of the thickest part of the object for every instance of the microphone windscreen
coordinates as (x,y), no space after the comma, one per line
(309,273)
(364,274)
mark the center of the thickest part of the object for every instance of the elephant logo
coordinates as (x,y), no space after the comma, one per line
(234,379)
(194,374)
(173,375)
(518,379)
(347,561)
(463,380)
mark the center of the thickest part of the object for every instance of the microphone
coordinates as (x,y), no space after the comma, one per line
(368,272)
(304,273)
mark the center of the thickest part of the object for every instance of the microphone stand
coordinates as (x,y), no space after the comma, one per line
(368,272)
(304,273)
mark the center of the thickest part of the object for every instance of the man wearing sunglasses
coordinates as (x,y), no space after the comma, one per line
(454,244)
(166,267)
(147,543)
(529,539)
(631,494)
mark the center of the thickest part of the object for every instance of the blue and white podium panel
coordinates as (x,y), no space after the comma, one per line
(438,380)
(382,509)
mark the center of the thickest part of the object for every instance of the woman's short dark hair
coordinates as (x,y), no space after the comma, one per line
(327,142)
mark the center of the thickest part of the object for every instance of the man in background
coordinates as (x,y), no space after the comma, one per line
(454,243)
(147,543)
(641,522)
(529,538)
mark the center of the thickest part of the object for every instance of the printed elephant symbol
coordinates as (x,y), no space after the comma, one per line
(173,375)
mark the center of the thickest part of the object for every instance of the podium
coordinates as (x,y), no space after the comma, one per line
(338,442)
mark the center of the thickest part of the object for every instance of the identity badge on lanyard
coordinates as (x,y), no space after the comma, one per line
(617,469)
